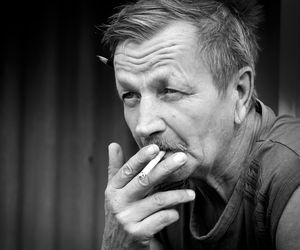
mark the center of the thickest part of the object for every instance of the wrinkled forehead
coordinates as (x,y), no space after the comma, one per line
(131,56)
(174,42)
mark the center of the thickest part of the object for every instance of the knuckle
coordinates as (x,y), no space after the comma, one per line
(168,216)
(113,200)
(109,193)
(131,230)
(144,180)
(127,170)
(121,218)
(172,216)
(165,167)
(164,218)
(158,199)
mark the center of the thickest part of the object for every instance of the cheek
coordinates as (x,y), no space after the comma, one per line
(131,120)
(194,122)
(206,127)
(220,133)
(220,122)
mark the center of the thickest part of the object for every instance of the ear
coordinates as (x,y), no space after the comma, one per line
(244,88)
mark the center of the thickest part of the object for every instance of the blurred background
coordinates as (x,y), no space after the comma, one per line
(59,111)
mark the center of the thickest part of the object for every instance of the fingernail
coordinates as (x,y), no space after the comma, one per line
(152,149)
(110,146)
(180,157)
(191,193)
(114,146)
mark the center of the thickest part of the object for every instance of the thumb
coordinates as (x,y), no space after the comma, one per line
(115,159)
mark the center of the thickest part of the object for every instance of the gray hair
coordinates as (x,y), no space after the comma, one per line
(226,30)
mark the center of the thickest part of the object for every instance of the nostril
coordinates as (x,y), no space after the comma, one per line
(155,134)
(150,128)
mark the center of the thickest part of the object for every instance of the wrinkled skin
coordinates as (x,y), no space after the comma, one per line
(170,100)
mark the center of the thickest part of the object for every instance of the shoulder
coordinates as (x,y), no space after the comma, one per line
(285,131)
(278,151)
(279,176)
(288,230)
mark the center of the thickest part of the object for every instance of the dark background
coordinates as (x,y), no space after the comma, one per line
(59,111)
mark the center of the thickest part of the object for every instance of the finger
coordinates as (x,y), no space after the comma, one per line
(134,165)
(115,158)
(141,184)
(141,209)
(167,167)
(154,223)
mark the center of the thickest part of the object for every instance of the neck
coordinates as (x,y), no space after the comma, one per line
(226,172)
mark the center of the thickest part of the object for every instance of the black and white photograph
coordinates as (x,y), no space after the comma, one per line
(150,125)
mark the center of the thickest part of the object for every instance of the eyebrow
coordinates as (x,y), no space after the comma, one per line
(159,79)
(168,78)
(123,83)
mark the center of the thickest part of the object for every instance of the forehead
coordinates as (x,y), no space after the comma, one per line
(177,41)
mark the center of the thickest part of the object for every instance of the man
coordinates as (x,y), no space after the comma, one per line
(230,176)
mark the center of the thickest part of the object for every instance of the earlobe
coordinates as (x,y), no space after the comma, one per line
(237,119)
(240,114)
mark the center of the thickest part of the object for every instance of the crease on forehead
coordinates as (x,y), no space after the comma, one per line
(156,54)
(176,72)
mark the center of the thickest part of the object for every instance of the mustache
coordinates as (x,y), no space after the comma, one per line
(165,145)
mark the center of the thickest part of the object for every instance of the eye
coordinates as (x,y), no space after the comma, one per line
(170,91)
(129,95)
(171,95)
(130,98)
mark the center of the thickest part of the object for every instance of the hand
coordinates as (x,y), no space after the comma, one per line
(132,217)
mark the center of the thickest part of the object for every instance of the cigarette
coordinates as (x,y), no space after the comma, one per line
(152,164)
(106,61)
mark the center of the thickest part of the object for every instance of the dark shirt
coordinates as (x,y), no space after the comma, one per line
(249,220)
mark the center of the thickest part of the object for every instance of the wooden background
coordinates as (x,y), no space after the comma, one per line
(59,111)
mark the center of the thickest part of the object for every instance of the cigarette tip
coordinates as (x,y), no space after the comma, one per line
(105,60)
(102,59)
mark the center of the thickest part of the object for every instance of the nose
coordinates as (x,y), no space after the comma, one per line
(150,120)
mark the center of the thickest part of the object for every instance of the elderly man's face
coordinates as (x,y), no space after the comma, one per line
(170,99)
